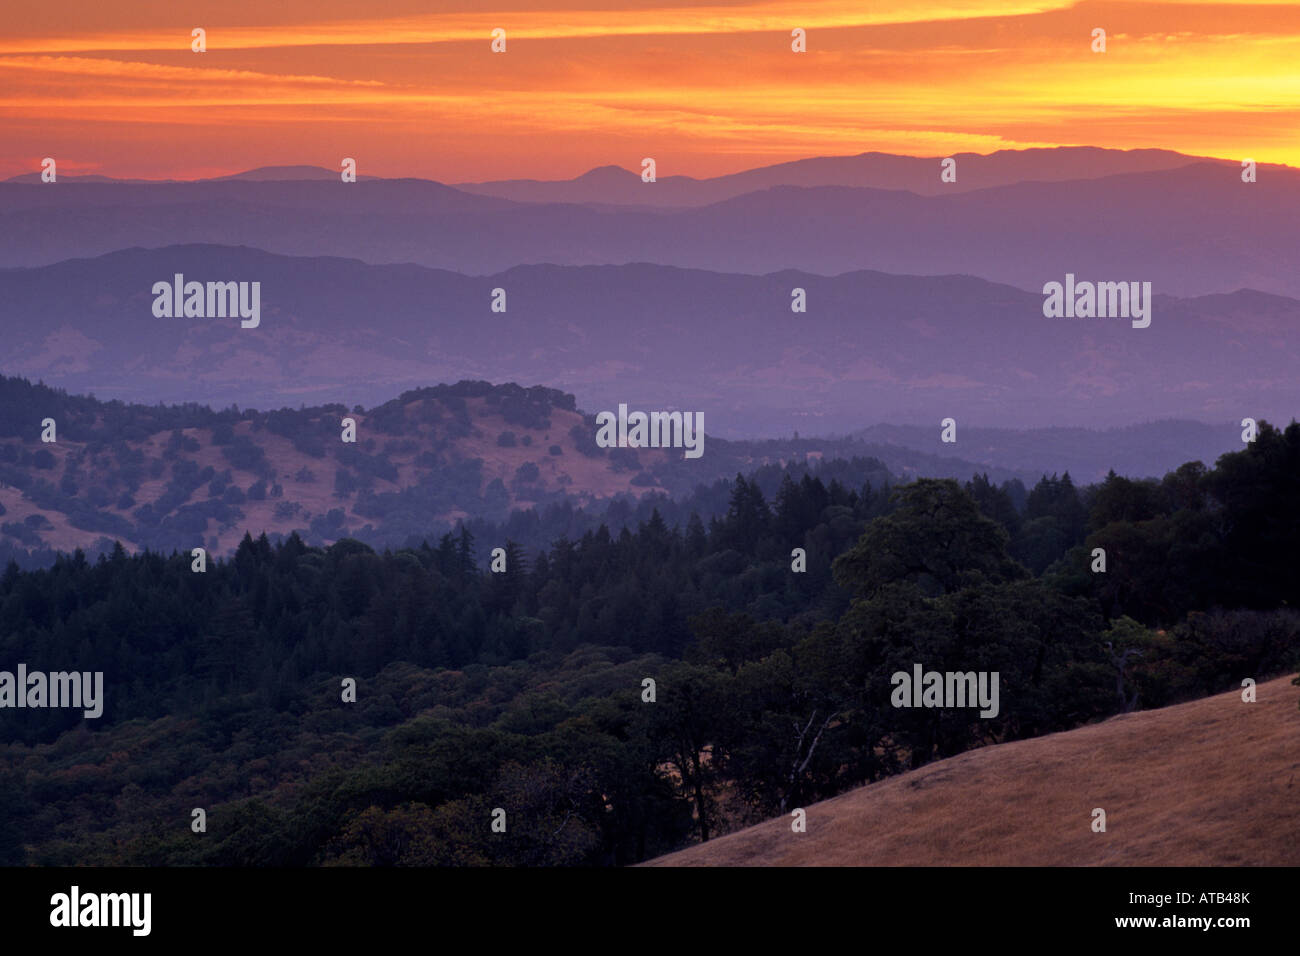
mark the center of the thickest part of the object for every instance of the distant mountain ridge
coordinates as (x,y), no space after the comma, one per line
(871,348)
(614,185)
(1192,230)
(870,170)
(1146,450)
(259,174)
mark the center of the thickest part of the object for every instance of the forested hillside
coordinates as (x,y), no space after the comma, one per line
(524,688)
(183,476)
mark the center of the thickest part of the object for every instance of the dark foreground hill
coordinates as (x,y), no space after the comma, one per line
(1213,782)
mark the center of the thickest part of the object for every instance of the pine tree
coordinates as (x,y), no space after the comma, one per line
(465,565)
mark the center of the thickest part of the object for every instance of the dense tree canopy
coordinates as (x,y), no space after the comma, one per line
(524,689)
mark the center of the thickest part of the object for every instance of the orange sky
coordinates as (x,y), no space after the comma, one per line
(704,88)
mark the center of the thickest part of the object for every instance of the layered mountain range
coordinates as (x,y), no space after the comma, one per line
(870,348)
(1189,229)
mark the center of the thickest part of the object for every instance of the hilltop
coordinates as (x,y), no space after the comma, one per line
(179,476)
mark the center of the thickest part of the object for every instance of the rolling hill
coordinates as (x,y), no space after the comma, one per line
(1213,782)
(187,476)
(177,476)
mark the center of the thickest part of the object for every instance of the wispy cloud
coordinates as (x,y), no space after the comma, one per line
(705,88)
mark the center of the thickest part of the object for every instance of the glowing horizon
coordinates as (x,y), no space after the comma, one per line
(707,89)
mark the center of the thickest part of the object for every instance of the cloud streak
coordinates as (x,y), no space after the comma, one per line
(706,89)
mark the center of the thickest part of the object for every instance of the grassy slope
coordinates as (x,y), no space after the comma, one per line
(592,476)
(1211,782)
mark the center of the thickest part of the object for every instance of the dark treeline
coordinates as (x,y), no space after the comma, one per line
(537,529)
(23,404)
(525,690)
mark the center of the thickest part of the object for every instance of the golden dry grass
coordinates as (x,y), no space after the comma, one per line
(582,477)
(1214,782)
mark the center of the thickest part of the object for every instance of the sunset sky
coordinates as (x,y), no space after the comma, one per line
(113,88)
